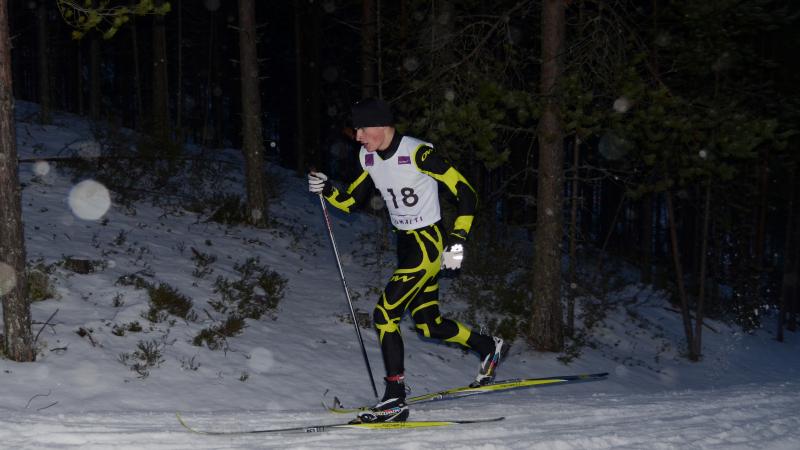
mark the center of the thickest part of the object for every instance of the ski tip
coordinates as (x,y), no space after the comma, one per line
(339,410)
(585,376)
(183,423)
(592,376)
(346,410)
(494,419)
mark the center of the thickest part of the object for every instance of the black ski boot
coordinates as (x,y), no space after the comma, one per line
(392,408)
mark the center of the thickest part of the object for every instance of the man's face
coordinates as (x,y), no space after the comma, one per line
(372,138)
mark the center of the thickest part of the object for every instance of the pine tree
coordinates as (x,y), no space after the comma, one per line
(546,331)
(18,340)
(253,147)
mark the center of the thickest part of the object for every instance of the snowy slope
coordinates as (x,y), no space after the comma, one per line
(78,394)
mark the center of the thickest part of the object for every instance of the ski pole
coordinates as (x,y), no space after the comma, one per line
(346,291)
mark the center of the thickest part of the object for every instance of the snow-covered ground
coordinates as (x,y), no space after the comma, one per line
(744,394)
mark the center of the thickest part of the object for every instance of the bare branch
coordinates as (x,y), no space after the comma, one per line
(36,339)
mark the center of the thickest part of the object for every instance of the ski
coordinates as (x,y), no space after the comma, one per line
(467,391)
(336,426)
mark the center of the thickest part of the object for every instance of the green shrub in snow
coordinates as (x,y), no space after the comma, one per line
(148,354)
(216,337)
(166,299)
(242,297)
(40,285)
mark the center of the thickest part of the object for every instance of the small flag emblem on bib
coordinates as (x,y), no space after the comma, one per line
(403,160)
(369,159)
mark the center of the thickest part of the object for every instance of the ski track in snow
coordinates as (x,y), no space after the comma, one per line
(750,416)
(743,395)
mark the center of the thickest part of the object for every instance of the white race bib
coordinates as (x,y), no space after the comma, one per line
(411,197)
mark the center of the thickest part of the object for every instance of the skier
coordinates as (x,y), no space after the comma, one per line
(406,170)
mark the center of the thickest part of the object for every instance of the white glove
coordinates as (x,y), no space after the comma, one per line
(452,256)
(316,182)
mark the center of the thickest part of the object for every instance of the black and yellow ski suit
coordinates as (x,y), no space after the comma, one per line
(414,284)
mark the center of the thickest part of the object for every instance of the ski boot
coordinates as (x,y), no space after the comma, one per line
(392,408)
(490,362)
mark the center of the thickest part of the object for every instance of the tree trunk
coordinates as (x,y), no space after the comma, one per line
(660,249)
(573,237)
(43,63)
(313,84)
(251,115)
(546,330)
(214,131)
(137,78)
(160,107)
(368,55)
(612,224)
(791,257)
(760,229)
(79,78)
(95,81)
(308,90)
(207,97)
(612,201)
(647,238)
(404,27)
(179,78)
(794,301)
(697,343)
(18,340)
(443,23)
(300,88)
(587,212)
(676,259)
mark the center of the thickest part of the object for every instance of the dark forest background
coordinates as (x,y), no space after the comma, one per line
(677,126)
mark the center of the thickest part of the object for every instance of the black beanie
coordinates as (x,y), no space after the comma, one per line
(372,112)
